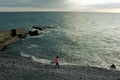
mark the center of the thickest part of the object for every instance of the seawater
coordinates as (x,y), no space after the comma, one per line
(88,39)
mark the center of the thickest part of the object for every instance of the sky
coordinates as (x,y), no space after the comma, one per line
(60,5)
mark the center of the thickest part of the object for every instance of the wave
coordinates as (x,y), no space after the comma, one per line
(24,55)
(45,61)
(103,64)
(36,36)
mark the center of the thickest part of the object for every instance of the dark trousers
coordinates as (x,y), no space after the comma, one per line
(57,65)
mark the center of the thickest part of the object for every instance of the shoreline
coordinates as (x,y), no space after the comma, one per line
(21,68)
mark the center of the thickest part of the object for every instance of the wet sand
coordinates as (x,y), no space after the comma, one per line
(21,68)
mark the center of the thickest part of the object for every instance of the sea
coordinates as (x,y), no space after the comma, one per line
(78,38)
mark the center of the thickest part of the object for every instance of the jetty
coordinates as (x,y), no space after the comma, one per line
(9,36)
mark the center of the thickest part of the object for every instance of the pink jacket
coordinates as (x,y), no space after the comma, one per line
(56,60)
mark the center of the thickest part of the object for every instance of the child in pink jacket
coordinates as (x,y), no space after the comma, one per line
(57,62)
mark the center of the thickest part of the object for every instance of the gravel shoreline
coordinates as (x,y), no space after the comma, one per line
(21,68)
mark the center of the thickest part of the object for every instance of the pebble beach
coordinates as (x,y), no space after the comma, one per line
(20,68)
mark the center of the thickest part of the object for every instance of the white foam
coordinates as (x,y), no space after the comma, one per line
(45,61)
(24,55)
(35,36)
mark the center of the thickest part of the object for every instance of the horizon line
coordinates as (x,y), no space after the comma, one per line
(64,11)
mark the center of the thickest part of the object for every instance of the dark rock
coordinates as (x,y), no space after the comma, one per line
(33,33)
(112,66)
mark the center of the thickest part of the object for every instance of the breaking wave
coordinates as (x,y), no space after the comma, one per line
(36,36)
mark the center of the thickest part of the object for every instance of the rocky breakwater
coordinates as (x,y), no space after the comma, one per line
(9,36)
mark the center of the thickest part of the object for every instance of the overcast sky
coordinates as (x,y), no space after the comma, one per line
(61,5)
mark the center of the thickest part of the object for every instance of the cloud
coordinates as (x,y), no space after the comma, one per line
(33,3)
(107,5)
(58,5)
(13,3)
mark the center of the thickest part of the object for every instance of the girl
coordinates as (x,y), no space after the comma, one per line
(57,62)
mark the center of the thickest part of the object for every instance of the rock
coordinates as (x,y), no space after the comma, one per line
(112,66)
(33,33)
